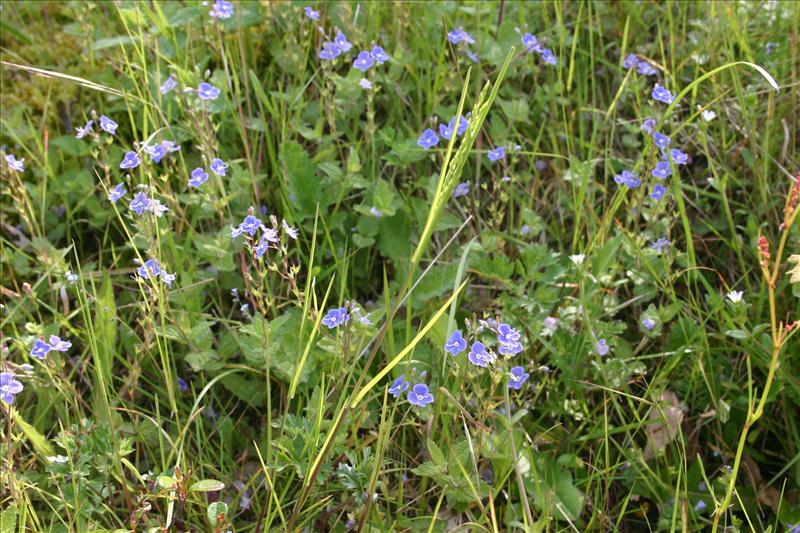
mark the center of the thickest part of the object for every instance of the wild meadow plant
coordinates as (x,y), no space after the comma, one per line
(496,266)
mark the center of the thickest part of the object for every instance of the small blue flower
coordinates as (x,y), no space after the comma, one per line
(199,177)
(290,231)
(678,157)
(341,41)
(507,334)
(399,386)
(630,61)
(419,395)
(150,269)
(701,506)
(363,61)
(206,91)
(71,278)
(661,94)
(168,278)
(108,125)
(462,189)
(627,178)
(473,56)
(131,160)
(330,51)
(479,356)
(218,166)
(14,163)
(9,387)
(222,9)
(646,69)
(168,85)
(428,139)
(658,192)
(648,323)
(249,225)
(446,131)
(379,55)
(517,376)
(531,43)
(182,385)
(458,35)
(58,345)
(510,349)
(117,193)
(82,132)
(661,140)
(374,211)
(549,57)
(455,344)
(40,349)
(660,245)
(140,203)
(497,154)
(768,48)
(602,347)
(156,152)
(157,208)
(365,84)
(336,317)
(263,246)
(311,13)
(663,170)
(649,125)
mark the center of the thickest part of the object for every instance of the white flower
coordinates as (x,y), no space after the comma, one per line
(577,258)
(708,115)
(735,297)
(57,459)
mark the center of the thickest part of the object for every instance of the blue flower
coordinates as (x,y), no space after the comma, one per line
(262,247)
(458,35)
(206,91)
(117,193)
(168,85)
(131,160)
(363,61)
(290,231)
(108,125)
(311,13)
(218,166)
(140,203)
(602,347)
(510,349)
(341,41)
(199,177)
(9,387)
(661,94)
(507,334)
(365,84)
(549,57)
(379,55)
(419,395)
(336,317)
(531,43)
(660,245)
(182,385)
(150,269)
(658,192)
(462,189)
(374,211)
(168,278)
(678,157)
(40,349)
(82,132)
(14,163)
(646,69)
(330,51)
(399,386)
(157,208)
(701,506)
(58,345)
(156,152)
(497,154)
(455,344)
(649,125)
(71,278)
(662,170)
(661,140)
(428,139)
(630,61)
(516,377)
(222,9)
(648,323)
(479,356)
(627,178)
(446,131)
(473,56)
(249,225)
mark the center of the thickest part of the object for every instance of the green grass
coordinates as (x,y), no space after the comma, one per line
(288,425)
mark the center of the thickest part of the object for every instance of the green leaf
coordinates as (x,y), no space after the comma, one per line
(304,185)
(605,256)
(166,482)
(436,453)
(8,519)
(206,485)
(215,511)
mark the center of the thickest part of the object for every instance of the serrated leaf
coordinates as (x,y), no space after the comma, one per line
(436,453)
